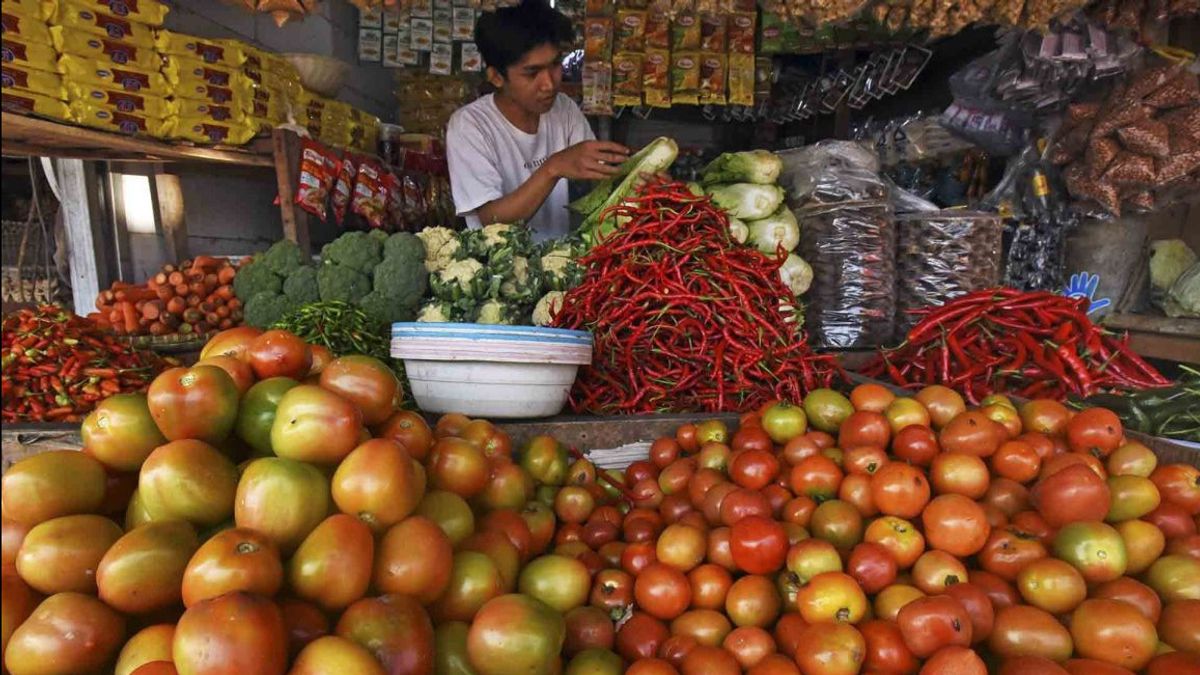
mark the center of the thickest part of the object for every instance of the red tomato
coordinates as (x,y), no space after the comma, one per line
(1096,431)
(900,537)
(1180,485)
(752,601)
(972,433)
(278,353)
(831,649)
(710,586)
(978,606)
(754,468)
(662,591)
(954,660)
(640,636)
(663,451)
(817,477)
(886,651)
(899,489)
(1072,494)
(233,633)
(832,596)
(759,545)
(864,428)
(955,524)
(958,473)
(1115,632)
(916,444)
(1008,550)
(706,660)
(1000,592)
(872,566)
(931,623)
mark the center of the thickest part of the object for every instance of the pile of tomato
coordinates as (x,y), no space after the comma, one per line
(270,510)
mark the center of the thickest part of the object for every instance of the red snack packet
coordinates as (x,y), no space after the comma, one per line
(317,172)
(370,195)
(343,187)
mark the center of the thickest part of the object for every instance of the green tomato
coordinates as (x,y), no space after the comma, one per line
(1095,549)
(595,661)
(257,413)
(546,460)
(450,649)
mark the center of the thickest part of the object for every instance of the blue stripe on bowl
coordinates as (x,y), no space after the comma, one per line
(461,331)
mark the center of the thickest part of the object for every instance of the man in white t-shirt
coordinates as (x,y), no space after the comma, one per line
(509,152)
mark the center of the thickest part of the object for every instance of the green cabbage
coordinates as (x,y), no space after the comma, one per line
(754,166)
(779,229)
(747,201)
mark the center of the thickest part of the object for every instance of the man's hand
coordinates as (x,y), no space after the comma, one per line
(589,160)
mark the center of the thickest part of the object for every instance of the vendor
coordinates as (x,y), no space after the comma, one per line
(510,151)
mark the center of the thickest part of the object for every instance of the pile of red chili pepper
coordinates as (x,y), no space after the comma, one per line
(683,317)
(57,366)
(1031,344)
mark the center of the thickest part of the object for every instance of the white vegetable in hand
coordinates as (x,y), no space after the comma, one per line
(797,275)
(779,229)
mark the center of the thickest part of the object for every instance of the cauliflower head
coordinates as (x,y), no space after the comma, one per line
(547,307)
(435,312)
(494,312)
(441,247)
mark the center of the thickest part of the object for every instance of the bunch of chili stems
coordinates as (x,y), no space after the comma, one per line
(683,317)
(1031,344)
(57,366)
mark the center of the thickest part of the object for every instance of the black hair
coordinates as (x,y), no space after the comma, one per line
(506,35)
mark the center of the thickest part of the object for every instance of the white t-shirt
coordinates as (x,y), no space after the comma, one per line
(488,158)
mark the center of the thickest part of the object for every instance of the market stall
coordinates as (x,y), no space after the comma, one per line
(880,352)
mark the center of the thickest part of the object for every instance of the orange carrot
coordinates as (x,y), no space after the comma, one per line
(226,275)
(206,263)
(225,292)
(225,323)
(234,303)
(175,278)
(181,289)
(135,294)
(151,310)
(129,314)
(223,311)
(165,292)
(159,328)
(176,305)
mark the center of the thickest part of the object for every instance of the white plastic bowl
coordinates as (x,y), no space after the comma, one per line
(501,372)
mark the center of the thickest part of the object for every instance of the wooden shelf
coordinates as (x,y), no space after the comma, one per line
(25,136)
(1160,337)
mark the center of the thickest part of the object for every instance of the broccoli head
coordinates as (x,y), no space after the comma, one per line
(301,286)
(339,282)
(402,279)
(263,309)
(404,245)
(283,258)
(253,278)
(355,250)
(386,310)
(379,234)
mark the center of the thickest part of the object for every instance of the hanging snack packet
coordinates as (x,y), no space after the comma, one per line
(24,28)
(741,79)
(629,31)
(741,33)
(103,50)
(597,89)
(627,79)
(29,54)
(600,7)
(369,197)
(343,187)
(395,201)
(138,103)
(658,30)
(685,32)
(81,70)
(656,78)
(100,23)
(713,33)
(597,39)
(317,171)
(685,78)
(29,103)
(712,79)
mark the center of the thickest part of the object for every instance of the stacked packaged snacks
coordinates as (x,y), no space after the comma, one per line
(110,65)
(275,84)
(31,83)
(212,92)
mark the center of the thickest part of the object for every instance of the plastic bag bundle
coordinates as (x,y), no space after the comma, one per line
(942,255)
(848,232)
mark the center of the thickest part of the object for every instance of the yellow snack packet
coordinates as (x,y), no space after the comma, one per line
(741,79)
(37,81)
(29,103)
(150,12)
(213,112)
(34,9)
(125,78)
(227,53)
(260,60)
(74,15)
(146,105)
(28,54)
(199,130)
(260,125)
(685,78)
(181,69)
(24,28)
(108,118)
(627,79)
(656,78)
(104,50)
(712,78)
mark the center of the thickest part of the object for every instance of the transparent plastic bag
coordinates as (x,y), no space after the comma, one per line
(829,172)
